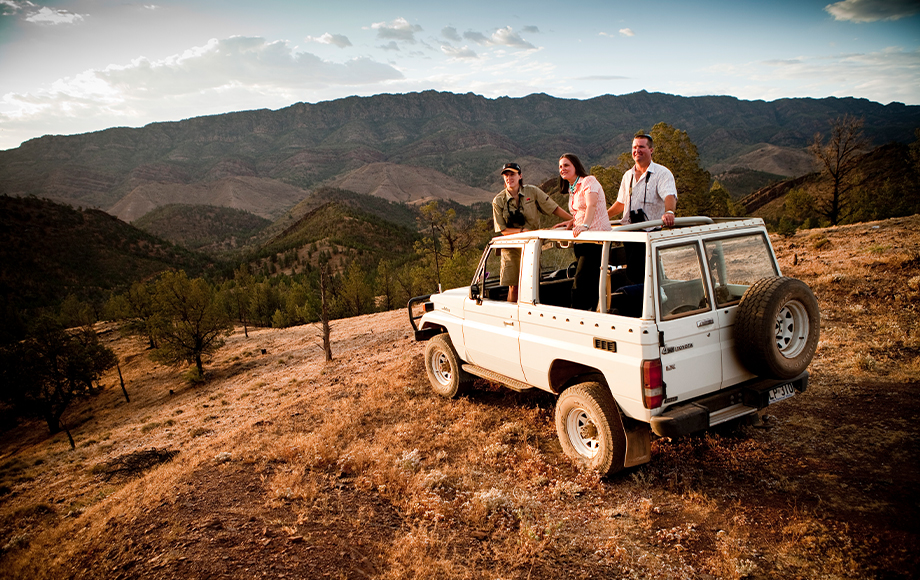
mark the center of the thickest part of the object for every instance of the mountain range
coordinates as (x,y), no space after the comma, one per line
(415,147)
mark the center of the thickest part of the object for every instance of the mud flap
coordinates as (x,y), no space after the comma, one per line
(638,445)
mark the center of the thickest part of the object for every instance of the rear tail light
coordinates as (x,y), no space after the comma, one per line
(652,384)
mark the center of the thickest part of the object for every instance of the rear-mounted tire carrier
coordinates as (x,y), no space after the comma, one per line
(777,327)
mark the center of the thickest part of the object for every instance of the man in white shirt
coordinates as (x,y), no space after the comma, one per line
(647,190)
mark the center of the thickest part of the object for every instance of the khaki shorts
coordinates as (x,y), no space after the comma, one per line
(511,267)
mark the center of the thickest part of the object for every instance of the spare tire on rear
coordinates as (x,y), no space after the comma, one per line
(777,327)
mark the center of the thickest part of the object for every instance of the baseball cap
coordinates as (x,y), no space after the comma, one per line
(512,167)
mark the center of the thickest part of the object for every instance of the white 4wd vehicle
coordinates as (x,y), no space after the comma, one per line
(694,326)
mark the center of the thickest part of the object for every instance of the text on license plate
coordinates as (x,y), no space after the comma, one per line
(781,392)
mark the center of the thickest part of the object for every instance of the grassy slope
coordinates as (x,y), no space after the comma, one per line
(354,469)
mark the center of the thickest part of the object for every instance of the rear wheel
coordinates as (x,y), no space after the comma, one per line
(443,367)
(777,327)
(589,427)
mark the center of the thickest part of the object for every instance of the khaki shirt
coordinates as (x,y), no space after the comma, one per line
(533,202)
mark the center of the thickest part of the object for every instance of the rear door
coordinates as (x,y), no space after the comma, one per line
(735,263)
(690,339)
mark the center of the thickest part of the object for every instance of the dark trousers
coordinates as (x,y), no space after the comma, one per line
(587,276)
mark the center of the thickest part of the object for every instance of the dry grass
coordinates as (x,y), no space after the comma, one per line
(290,467)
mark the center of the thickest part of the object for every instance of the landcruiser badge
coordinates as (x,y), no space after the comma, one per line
(670,349)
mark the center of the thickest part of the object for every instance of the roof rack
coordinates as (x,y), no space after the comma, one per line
(678,222)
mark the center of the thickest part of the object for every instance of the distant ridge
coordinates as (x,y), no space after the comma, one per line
(262,161)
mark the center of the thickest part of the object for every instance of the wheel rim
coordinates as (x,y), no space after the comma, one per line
(792,329)
(440,367)
(582,432)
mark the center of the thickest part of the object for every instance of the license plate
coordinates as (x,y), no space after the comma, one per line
(781,392)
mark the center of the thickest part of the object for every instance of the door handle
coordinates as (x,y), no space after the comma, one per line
(705,322)
(509,323)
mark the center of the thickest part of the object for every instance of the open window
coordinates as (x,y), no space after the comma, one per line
(500,269)
(557,271)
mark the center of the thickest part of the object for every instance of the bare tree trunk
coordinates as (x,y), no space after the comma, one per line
(73,446)
(121,378)
(327,344)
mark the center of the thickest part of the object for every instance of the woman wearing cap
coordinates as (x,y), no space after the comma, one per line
(588,205)
(517,209)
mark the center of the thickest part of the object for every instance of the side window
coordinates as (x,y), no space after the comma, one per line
(502,268)
(681,290)
(557,268)
(735,264)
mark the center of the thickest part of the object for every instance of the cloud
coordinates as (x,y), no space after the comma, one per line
(450,33)
(339,40)
(872,10)
(531,30)
(389,46)
(627,32)
(8,7)
(477,37)
(223,75)
(454,52)
(889,75)
(399,29)
(39,14)
(602,78)
(501,37)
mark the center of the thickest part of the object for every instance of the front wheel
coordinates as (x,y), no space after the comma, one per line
(443,367)
(590,429)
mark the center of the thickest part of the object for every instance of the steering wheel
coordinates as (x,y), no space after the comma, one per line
(570,271)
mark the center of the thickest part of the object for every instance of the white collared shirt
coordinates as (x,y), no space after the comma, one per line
(647,192)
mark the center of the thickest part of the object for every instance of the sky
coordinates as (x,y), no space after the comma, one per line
(75,66)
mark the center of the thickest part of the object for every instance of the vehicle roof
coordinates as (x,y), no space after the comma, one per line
(630,233)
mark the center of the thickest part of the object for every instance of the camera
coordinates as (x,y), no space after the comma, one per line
(516,218)
(637,215)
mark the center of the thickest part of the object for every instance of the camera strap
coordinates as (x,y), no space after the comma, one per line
(632,182)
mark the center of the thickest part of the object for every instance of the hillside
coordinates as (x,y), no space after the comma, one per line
(284,466)
(341,226)
(49,250)
(267,198)
(209,229)
(886,184)
(261,161)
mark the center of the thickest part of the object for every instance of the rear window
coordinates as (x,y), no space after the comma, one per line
(736,263)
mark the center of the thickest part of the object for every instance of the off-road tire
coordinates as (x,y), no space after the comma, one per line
(589,427)
(777,327)
(443,367)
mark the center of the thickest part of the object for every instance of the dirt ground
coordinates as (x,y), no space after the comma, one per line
(284,466)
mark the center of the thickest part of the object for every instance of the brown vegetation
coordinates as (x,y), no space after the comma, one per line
(288,466)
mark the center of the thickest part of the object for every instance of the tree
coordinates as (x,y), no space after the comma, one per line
(44,373)
(241,295)
(453,244)
(325,329)
(194,324)
(720,201)
(839,158)
(799,205)
(384,283)
(138,308)
(355,293)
